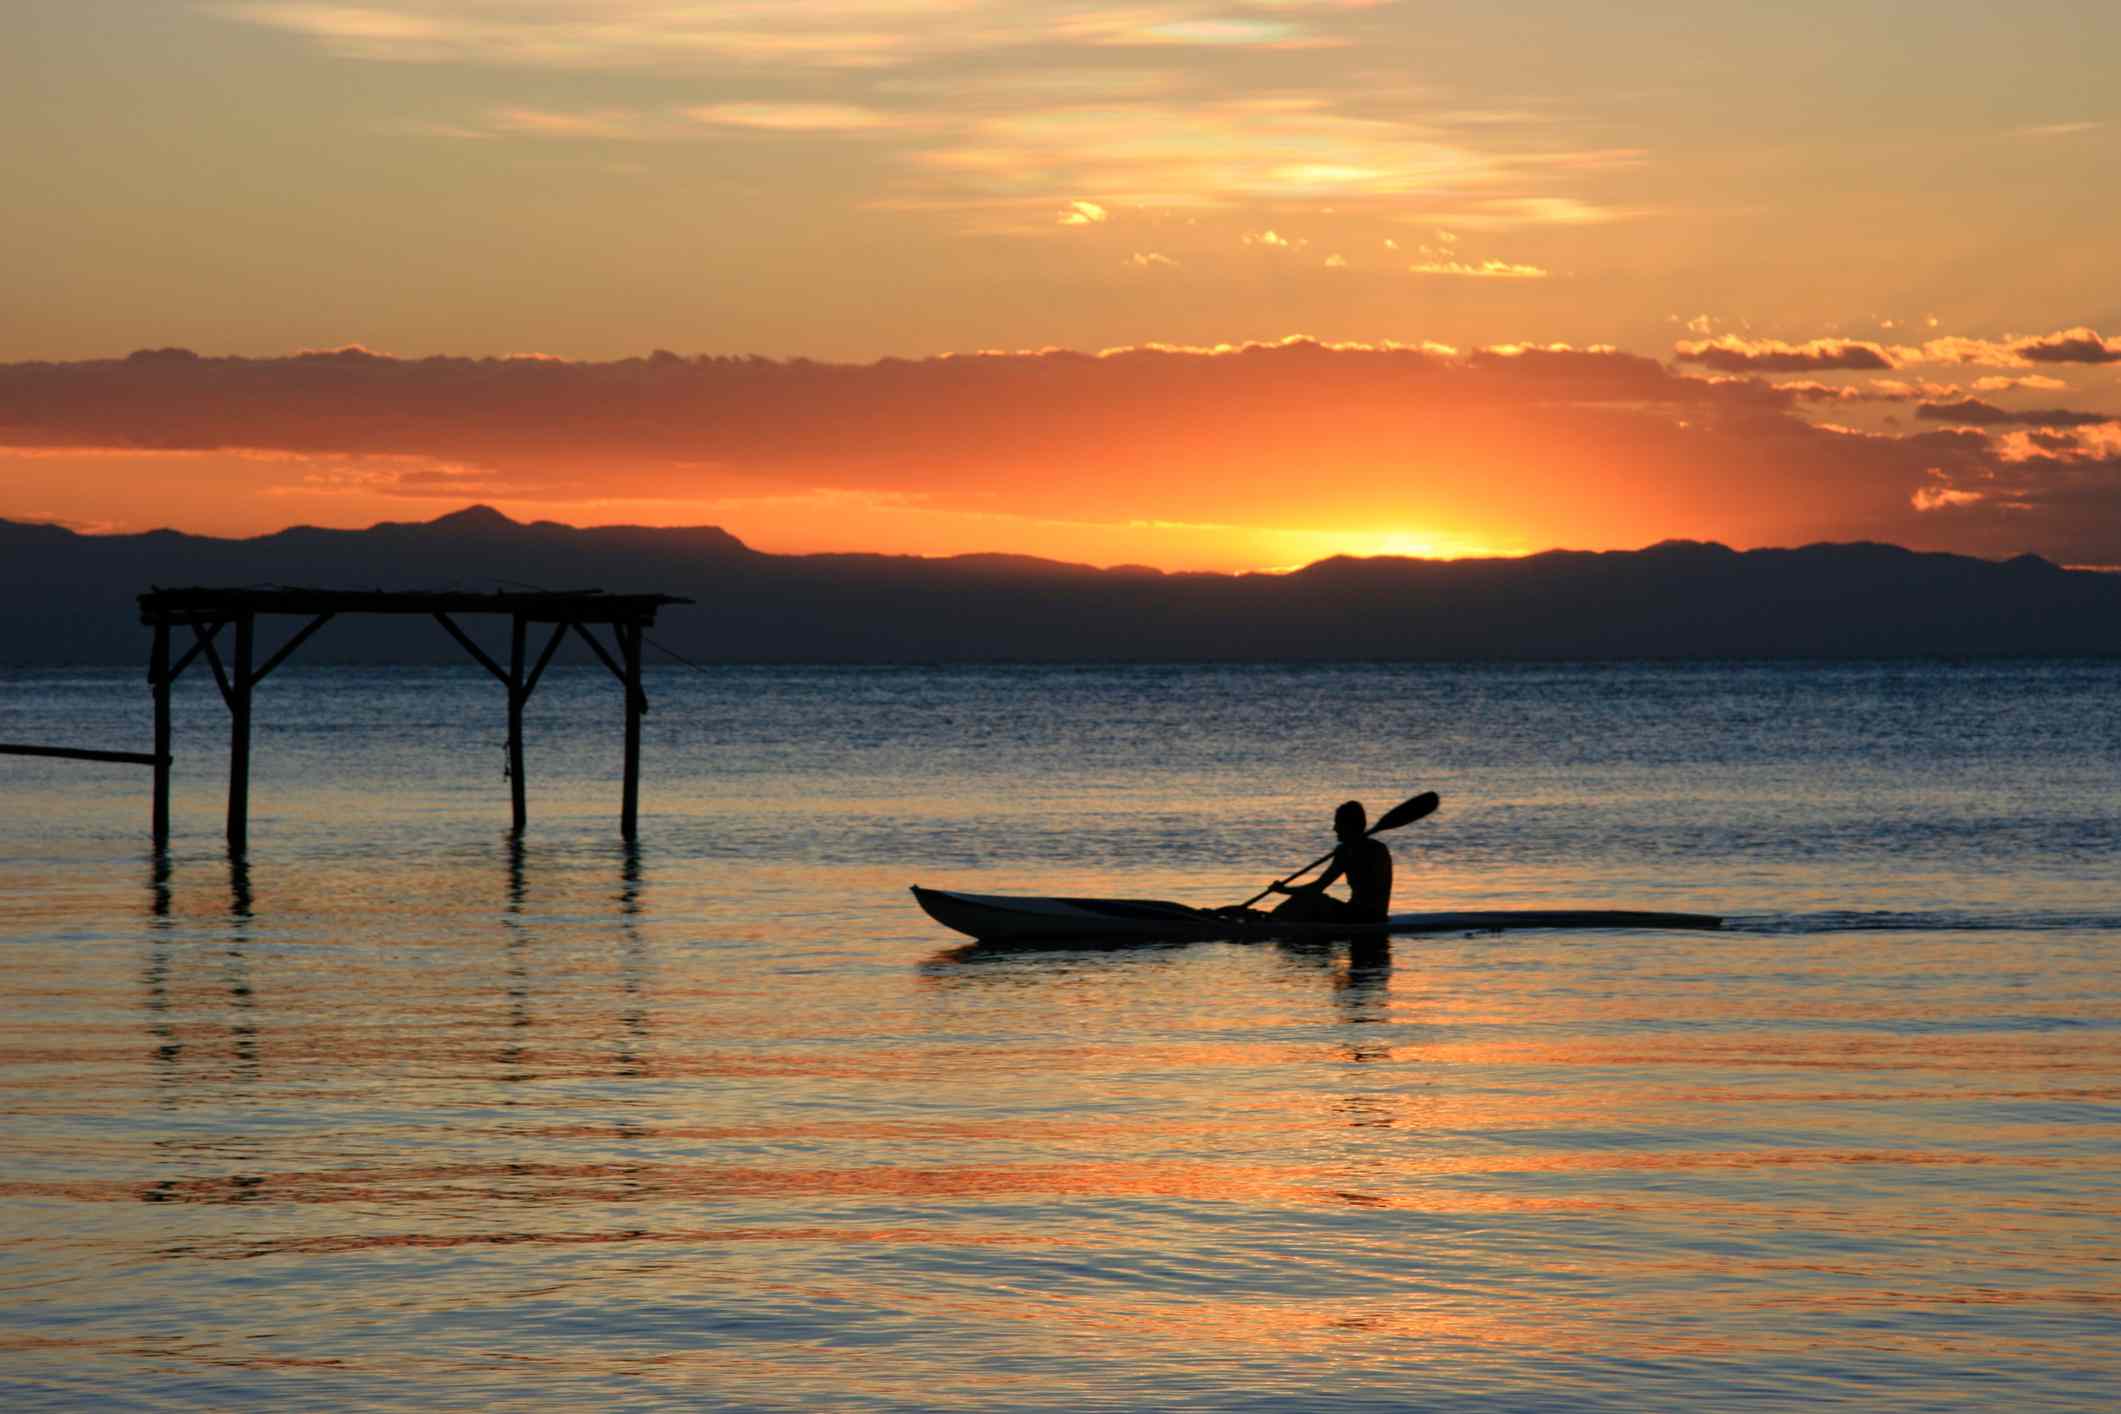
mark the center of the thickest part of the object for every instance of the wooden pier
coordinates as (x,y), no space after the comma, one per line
(206,612)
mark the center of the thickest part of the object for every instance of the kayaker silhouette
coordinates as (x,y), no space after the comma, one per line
(1365,862)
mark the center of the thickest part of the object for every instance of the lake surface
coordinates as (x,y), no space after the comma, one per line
(399,1113)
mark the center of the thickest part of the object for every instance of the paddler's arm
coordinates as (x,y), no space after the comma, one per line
(1317,886)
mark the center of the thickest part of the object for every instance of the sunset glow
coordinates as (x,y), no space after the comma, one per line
(1186,285)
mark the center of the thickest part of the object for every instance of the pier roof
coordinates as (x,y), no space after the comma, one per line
(579,606)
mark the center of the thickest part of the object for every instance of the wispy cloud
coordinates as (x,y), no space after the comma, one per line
(1484,270)
(1508,212)
(991,98)
(1220,32)
(535,122)
(624,34)
(2053,130)
(793,117)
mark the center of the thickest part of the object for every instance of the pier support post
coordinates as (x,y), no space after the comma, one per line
(516,799)
(629,810)
(158,676)
(240,685)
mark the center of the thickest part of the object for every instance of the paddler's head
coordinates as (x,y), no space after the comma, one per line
(1351,820)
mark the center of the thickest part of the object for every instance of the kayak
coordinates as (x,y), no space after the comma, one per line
(999,918)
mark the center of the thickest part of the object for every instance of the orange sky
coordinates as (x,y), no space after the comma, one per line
(1564,275)
(1250,457)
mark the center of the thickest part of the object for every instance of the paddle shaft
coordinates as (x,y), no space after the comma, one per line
(1404,813)
(1297,875)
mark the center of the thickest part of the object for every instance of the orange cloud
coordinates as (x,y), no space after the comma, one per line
(2079,345)
(1876,390)
(1937,498)
(1973,412)
(1733,354)
(1515,445)
(1998,384)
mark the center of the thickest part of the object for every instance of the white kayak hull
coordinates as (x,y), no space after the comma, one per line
(1002,918)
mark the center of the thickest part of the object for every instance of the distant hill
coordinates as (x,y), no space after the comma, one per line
(69,599)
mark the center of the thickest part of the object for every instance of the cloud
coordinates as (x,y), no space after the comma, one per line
(1733,354)
(2050,130)
(1903,390)
(1541,445)
(1972,412)
(621,34)
(792,117)
(1955,349)
(1266,238)
(1151,260)
(2079,345)
(1485,270)
(607,124)
(1507,212)
(1876,390)
(1937,498)
(1220,32)
(1210,153)
(971,101)
(2039,381)
(1083,213)
(2059,489)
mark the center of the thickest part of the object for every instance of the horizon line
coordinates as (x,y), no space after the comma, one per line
(488,514)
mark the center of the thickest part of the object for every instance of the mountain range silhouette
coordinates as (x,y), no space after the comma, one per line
(69,599)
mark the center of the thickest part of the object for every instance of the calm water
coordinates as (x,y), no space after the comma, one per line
(401,1114)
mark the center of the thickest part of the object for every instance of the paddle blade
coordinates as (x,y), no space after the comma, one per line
(1407,812)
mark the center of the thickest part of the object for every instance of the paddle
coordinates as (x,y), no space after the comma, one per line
(1404,813)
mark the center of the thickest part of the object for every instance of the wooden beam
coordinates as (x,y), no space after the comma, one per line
(516,694)
(472,648)
(578,605)
(633,690)
(601,652)
(288,648)
(559,631)
(239,739)
(82,753)
(213,657)
(177,670)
